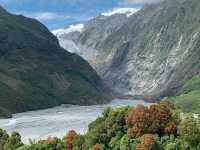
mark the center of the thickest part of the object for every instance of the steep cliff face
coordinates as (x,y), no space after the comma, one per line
(35,72)
(153,52)
(89,41)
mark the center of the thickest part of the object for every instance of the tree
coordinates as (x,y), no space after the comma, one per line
(3,138)
(189,130)
(49,140)
(127,144)
(13,142)
(171,129)
(95,147)
(78,142)
(139,147)
(104,128)
(114,143)
(174,110)
(68,140)
(142,120)
(147,143)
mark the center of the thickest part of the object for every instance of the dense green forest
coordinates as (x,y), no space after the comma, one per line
(160,126)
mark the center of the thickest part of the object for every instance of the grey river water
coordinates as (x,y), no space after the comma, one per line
(58,120)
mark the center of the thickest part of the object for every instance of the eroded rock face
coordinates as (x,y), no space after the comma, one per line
(152,52)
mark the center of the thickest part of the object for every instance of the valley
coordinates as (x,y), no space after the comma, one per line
(37,125)
(118,76)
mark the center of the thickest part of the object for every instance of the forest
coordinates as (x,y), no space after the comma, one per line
(161,126)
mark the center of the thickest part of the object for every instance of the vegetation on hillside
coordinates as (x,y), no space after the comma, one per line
(157,127)
(36,73)
(188,99)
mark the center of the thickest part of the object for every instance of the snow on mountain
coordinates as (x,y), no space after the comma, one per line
(69,29)
(127,11)
(66,35)
(79,27)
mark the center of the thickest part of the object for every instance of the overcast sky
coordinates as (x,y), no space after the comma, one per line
(58,13)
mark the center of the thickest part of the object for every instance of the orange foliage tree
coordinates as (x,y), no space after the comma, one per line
(95,147)
(153,119)
(171,128)
(146,143)
(68,140)
(49,140)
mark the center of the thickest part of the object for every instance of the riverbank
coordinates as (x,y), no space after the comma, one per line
(58,120)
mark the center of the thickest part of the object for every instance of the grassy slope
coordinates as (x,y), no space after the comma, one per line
(189,97)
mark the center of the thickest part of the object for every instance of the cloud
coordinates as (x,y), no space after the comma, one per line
(44,16)
(58,13)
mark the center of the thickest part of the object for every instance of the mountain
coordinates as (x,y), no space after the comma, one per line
(150,53)
(36,73)
(88,42)
(66,34)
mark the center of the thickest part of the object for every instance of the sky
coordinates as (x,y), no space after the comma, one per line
(59,13)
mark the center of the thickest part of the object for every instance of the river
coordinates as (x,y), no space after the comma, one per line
(58,120)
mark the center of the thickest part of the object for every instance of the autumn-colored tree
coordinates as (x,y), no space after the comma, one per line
(137,120)
(147,143)
(68,140)
(139,147)
(96,147)
(171,128)
(133,132)
(49,140)
(143,120)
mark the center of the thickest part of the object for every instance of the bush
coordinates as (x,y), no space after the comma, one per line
(68,140)
(147,143)
(189,130)
(10,142)
(104,128)
(143,120)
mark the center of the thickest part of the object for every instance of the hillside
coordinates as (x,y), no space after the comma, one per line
(150,53)
(36,73)
(189,96)
(89,41)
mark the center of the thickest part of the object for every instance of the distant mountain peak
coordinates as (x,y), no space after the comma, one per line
(127,11)
(79,27)
(69,29)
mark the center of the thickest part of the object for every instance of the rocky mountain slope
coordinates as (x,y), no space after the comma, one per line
(151,53)
(88,42)
(35,72)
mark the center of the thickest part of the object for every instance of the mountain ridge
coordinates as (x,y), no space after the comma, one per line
(36,73)
(145,55)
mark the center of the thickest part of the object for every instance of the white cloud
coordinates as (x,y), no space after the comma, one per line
(50,16)
(127,11)
(44,16)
